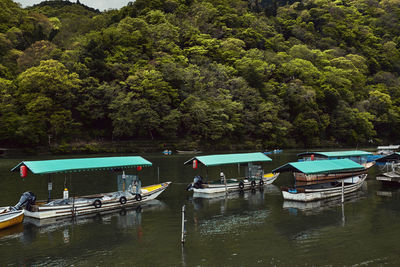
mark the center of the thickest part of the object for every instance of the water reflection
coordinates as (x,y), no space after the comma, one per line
(232,224)
(230,213)
(123,219)
(389,191)
(11,232)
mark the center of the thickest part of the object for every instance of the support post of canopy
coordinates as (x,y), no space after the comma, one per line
(342,191)
(49,187)
(123,181)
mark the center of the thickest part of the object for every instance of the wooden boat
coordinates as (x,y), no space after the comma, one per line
(275,151)
(189,152)
(357,156)
(321,189)
(325,190)
(129,191)
(255,176)
(167,152)
(9,218)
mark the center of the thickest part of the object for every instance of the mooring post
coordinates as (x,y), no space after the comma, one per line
(342,191)
(183,225)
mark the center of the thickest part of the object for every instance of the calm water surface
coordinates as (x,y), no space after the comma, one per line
(251,229)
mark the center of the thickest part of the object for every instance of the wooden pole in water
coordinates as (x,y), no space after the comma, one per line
(183,225)
(226,187)
(158,173)
(342,191)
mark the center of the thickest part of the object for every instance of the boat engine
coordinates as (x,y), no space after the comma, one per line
(27,200)
(197,182)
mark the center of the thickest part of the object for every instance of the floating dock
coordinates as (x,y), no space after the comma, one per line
(389,177)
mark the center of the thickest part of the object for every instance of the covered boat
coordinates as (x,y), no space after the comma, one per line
(321,189)
(254,174)
(358,156)
(129,192)
(10,217)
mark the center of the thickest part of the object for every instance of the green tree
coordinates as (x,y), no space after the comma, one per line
(45,97)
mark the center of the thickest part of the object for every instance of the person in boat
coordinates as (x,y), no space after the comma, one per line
(137,183)
(222,176)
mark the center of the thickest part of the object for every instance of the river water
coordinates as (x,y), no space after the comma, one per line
(251,229)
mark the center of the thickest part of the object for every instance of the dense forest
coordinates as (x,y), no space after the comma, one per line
(211,73)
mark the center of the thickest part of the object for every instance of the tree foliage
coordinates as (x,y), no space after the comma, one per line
(217,72)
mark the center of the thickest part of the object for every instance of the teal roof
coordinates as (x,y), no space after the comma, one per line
(82,164)
(336,154)
(320,166)
(224,159)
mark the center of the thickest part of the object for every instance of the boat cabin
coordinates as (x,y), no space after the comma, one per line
(387,150)
(333,169)
(358,156)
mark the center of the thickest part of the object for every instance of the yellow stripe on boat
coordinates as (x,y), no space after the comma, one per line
(152,187)
(268,175)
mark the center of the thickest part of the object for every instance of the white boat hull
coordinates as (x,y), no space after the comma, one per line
(230,187)
(351,184)
(75,209)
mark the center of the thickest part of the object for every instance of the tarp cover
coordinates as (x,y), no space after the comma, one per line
(391,147)
(389,158)
(82,164)
(336,154)
(223,159)
(320,166)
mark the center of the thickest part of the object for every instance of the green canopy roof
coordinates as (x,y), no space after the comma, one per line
(82,164)
(223,159)
(336,154)
(320,166)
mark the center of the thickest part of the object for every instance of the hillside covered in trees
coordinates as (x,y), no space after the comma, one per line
(214,72)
